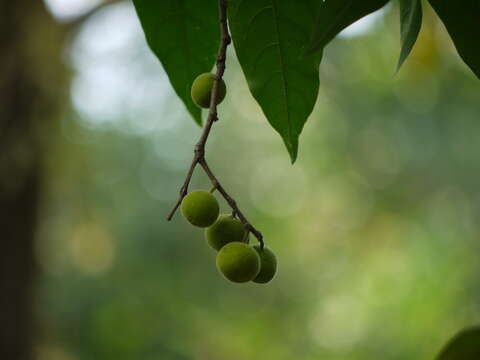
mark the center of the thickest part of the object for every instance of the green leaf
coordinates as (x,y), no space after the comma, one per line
(184,35)
(462,20)
(336,15)
(410,23)
(463,346)
(270,37)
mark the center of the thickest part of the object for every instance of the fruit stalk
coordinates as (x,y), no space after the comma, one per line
(199,152)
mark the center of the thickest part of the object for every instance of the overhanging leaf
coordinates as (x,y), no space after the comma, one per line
(184,35)
(336,15)
(463,346)
(410,24)
(270,37)
(462,20)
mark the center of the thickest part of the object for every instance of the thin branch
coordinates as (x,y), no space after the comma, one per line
(199,152)
(233,204)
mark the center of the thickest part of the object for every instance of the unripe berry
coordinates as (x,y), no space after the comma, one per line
(238,262)
(200,208)
(202,90)
(268,264)
(225,230)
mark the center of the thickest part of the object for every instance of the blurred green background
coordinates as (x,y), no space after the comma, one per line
(376,226)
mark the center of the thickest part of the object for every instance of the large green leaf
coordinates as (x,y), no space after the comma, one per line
(410,24)
(462,20)
(270,37)
(336,15)
(184,34)
(464,346)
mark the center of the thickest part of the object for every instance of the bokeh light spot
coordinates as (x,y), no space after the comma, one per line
(91,248)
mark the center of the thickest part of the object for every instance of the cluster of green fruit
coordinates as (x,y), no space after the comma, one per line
(236,260)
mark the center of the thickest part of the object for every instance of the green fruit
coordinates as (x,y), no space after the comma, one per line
(268,265)
(202,89)
(238,262)
(225,230)
(200,208)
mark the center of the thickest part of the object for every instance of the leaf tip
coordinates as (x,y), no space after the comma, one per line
(399,65)
(292,148)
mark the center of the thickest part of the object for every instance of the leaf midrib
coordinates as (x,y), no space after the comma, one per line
(282,66)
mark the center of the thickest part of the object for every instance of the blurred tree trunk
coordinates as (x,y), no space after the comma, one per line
(32,81)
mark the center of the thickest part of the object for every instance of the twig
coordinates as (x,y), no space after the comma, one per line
(199,152)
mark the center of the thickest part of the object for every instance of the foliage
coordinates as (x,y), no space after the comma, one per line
(463,346)
(272,37)
(461,20)
(376,227)
(183,35)
(279,45)
(334,16)
(410,23)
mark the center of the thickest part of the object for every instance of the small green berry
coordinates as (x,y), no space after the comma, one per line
(202,90)
(238,262)
(225,230)
(268,264)
(200,208)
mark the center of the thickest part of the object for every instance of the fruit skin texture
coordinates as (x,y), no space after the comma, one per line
(238,262)
(202,89)
(200,208)
(225,230)
(268,264)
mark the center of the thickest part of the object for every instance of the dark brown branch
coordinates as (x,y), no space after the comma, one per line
(199,152)
(231,202)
